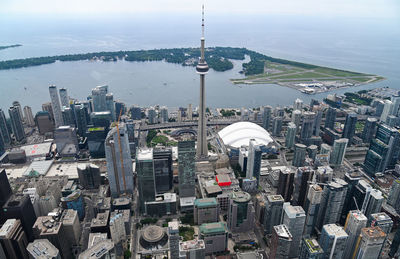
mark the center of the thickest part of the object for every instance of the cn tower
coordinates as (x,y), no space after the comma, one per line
(202,69)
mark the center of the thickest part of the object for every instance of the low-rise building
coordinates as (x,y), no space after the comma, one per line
(205,210)
(215,236)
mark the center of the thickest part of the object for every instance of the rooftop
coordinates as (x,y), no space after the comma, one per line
(37,168)
(46,225)
(37,150)
(144,154)
(213,228)
(205,202)
(97,250)
(275,198)
(153,233)
(373,232)
(42,249)
(70,216)
(192,245)
(283,232)
(335,230)
(7,227)
(240,196)
(313,245)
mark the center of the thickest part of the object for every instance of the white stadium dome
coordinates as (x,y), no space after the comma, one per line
(240,133)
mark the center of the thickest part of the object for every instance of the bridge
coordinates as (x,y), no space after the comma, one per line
(185,124)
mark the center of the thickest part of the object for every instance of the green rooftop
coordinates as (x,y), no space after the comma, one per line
(96,129)
(313,246)
(206,202)
(212,228)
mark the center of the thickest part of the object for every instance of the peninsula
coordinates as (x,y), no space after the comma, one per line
(261,69)
(10,46)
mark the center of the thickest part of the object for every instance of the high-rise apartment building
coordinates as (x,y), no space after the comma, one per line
(285,184)
(338,152)
(119,161)
(307,126)
(99,98)
(303,176)
(369,129)
(310,249)
(56,106)
(311,208)
(64,97)
(330,118)
(370,243)
(267,113)
(254,160)
(4,133)
(16,124)
(29,116)
(281,242)
(277,126)
(13,239)
(355,221)
(290,135)
(299,157)
(350,127)
(241,212)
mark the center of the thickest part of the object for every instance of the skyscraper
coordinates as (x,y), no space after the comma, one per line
(64,97)
(394,195)
(338,152)
(332,201)
(350,127)
(298,104)
(330,118)
(294,218)
(281,242)
(89,176)
(241,212)
(17,105)
(311,208)
(303,176)
(110,105)
(355,221)
(13,239)
(273,212)
(29,116)
(387,110)
(119,161)
(285,184)
(296,119)
(152,115)
(202,69)
(317,121)
(173,233)
(16,124)
(370,243)
(99,98)
(4,133)
(290,135)
(300,152)
(55,106)
(163,172)
(384,150)
(164,115)
(277,126)
(81,115)
(333,241)
(46,107)
(307,126)
(369,130)
(145,175)
(187,168)
(254,160)
(5,188)
(267,111)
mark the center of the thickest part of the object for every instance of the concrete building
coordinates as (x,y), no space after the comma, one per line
(71,226)
(119,161)
(66,141)
(152,115)
(145,176)
(370,243)
(50,228)
(192,249)
(29,116)
(354,223)
(369,130)
(294,218)
(44,122)
(298,104)
(273,212)
(55,106)
(330,118)
(241,212)
(102,250)
(202,70)
(186,168)
(111,105)
(46,107)
(307,126)
(310,249)
(387,110)
(281,242)
(100,223)
(43,249)
(267,110)
(296,119)
(338,152)
(117,229)
(215,236)
(333,241)
(382,220)
(277,126)
(89,176)
(163,204)
(205,210)
(13,239)
(285,184)
(394,195)
(164,114)
(99,98)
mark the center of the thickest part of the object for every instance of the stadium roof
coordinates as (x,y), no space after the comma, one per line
(240,133)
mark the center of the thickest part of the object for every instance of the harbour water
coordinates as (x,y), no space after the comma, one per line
(369,46)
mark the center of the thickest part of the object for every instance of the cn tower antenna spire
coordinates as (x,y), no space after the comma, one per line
(202,22)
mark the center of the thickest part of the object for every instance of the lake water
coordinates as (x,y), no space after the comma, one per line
(370,46)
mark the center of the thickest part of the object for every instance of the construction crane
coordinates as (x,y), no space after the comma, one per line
(120,151)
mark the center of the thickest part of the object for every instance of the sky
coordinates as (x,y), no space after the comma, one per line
(381,9)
